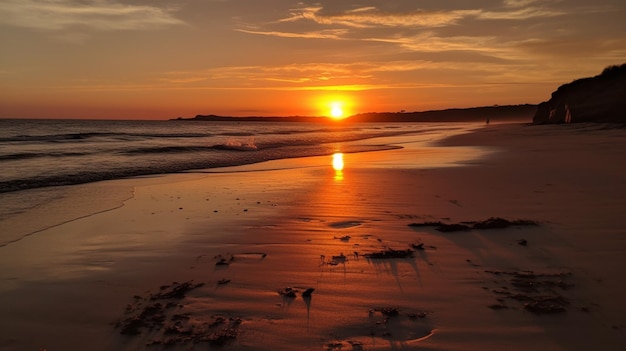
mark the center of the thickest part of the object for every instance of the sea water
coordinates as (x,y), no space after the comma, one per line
(43,153)
(46,162)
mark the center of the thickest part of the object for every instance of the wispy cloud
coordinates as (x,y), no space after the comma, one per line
(182,80)
(518,3)
(322,34)
(521,13)
(368,17)
(358,76)
(221,87)
(430,42)
(289,74)
(414,30)
(95,14)
(371,17)
(367,75)
(309,76)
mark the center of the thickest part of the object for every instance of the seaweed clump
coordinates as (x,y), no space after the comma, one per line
(158,315)
(540,293)
(390,253)
(490,223)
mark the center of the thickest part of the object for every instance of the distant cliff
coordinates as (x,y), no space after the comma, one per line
(597,99)
(216,118)
(474,114)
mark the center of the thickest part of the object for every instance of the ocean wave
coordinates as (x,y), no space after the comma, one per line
(171,135)
(31,155)
(89,176)
(181,164)
(166,150)
(94,175)
(85,136)
(51,137)
(312,131)
(237,134)
(236,145)
(55,153)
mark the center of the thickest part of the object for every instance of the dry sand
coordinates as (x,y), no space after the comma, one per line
(238,242)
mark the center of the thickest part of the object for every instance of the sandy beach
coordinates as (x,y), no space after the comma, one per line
(226,258)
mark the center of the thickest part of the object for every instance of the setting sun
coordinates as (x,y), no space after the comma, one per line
(336,106)
(335,110)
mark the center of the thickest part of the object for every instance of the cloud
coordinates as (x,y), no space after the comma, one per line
(292,73)
(329,76)
(368,17)
(414,30)
(372,17)
(521,14)
(361,76)
(431,42)
(568,47)
(183,80)
(322,34)
(518,3)
(102,15)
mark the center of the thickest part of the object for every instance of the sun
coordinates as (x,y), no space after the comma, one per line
(336,110)
(335,106)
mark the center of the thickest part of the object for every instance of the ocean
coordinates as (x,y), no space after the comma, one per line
(45,153)
(46,165)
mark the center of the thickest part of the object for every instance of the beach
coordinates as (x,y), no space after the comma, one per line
(226,258)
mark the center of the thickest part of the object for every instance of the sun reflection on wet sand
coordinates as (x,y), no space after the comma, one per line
(338,165)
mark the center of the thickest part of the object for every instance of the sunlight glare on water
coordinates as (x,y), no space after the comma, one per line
(338,165)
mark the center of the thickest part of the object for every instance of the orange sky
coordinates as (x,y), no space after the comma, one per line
(162,59)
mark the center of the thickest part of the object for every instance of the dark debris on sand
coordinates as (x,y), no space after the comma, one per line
(419,246)
(491,223)
(393,311)
(288,292)
(293,292)
(222,261)
(175,291)
(390,253)
(391,323)
(159,316)
(539,293)
(230,258)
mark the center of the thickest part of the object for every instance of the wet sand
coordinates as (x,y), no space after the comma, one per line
(223,259)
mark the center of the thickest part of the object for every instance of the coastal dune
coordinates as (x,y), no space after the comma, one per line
(295,255)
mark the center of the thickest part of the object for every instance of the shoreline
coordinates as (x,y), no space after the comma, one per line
(43,203)
(273,230)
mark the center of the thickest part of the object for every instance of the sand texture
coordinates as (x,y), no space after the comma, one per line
(293,255)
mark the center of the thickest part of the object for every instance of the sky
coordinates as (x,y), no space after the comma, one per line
(157,59)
